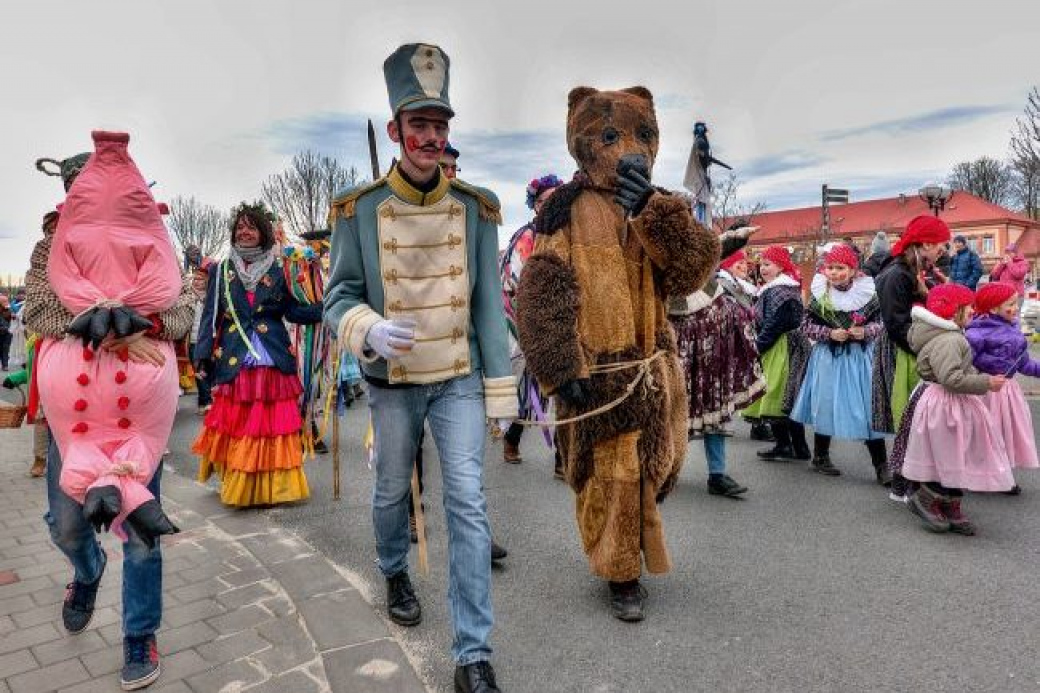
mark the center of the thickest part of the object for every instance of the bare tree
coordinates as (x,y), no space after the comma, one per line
(728,208)
(1025,155)
(301,194)
(193,223)
(986,177)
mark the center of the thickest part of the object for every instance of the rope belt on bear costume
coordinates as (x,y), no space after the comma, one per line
(100,303)
(644,377)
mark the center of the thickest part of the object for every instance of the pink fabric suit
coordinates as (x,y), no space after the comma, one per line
(111,417)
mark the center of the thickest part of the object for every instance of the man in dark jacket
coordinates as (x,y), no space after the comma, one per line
(965,265)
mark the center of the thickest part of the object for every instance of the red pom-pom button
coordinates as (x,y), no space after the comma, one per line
(88,355)
(80,405)
(124,402)
(124,423)
(121,377)
(83,379)
(81,427)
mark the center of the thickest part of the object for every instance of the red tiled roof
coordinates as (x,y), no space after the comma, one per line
(891,214)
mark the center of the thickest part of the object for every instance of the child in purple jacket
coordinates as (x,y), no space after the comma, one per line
(999,348)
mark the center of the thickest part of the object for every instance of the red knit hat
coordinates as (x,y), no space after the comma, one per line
(945,299)
(778,255)
(992,295)
(733,259)
(842,254)
(922,229)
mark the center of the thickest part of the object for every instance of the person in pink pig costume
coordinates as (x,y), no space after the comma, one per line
(111,264)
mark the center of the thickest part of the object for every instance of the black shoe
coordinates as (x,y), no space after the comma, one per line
(401,603)
(626,600)
(724,485)
(821,464)
(777,452)
(101,505)
(802,453)
(884,477)
(477,677)
(497,552)
(140,663)
(760,431)
(320,447)
(148,522)
(78,607)
(1015,490)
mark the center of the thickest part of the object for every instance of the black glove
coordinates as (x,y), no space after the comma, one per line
(575,393)
(127,321)
(8,383)
(633,188)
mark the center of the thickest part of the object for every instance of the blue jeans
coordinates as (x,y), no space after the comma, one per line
(715,451)
(455,409)
(75,537)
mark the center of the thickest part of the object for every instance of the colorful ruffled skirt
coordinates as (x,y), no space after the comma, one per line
(835,397)
(251,439)
(1014,421)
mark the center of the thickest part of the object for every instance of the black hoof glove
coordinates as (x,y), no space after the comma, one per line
(127,321)
(100,326)
(633,188)
(575,393)
(101,506)
(149,522)
(80,327)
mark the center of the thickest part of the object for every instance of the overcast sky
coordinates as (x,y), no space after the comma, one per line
(879,96)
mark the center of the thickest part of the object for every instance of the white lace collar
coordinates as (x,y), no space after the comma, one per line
(781,280)
(930,318)
(853,298)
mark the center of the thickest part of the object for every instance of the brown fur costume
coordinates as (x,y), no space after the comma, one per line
(594,292)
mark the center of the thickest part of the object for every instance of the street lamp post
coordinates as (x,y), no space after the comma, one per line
(936,196)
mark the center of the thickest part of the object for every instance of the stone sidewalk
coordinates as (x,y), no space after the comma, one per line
(246,606)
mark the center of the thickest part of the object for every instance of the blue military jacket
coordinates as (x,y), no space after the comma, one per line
(219,336)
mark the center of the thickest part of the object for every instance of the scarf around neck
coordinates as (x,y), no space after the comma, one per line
(259,260)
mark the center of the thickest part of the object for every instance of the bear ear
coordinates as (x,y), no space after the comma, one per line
(579,94)
(641,92)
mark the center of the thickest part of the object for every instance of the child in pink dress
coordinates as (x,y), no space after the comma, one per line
(111,264)
(954,443)
(999,348)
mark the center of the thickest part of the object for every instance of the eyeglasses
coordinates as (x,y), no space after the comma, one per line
(451,167)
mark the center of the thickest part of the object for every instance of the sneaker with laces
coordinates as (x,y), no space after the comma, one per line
(140,662)
(78,608)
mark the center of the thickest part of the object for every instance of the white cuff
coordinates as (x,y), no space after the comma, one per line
(353,329)
(500,400)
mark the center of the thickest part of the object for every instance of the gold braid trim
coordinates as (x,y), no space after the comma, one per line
(490,209)
(345,205)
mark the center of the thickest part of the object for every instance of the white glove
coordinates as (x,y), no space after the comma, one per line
(391,339)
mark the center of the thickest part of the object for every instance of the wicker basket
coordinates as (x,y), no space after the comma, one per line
(12,415)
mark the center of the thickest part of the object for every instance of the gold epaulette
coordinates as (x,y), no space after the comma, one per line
(344,204)
(490,209)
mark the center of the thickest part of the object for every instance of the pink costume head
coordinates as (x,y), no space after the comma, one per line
(110,243)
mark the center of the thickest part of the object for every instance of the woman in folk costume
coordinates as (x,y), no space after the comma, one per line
(111,264)
(843,320)
(784,350)
(999,348)
(251,436)
(715,335)
(520,247)
(954,442)
(900,284)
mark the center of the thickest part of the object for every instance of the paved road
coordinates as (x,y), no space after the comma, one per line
(811,584)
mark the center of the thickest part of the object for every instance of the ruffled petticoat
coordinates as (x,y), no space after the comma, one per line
(1014,422)
(954,440)
(251,439)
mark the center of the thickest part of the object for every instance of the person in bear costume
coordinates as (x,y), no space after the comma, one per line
(592,321)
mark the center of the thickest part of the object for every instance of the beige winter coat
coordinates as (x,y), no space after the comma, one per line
(943,354)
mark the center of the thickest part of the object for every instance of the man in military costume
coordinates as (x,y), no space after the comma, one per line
(414,293)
